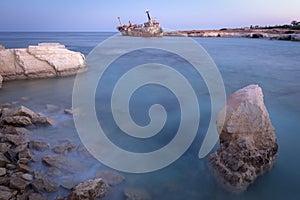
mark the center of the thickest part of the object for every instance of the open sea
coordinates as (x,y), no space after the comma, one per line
(274,65)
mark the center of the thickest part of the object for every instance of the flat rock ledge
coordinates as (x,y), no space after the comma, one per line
(42,61)
(248,145)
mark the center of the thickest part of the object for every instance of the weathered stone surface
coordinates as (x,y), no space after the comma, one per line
(16,130)
(64,148)
(27,177)
(16,139)
(58,161)
(90,189)
(24,111)
(43,60)
(17,121)
(39,145)
(136,194)
(43,121)
(248,145)
(111,178)
(19,183)
(44,184)
(68,111)
(24,168)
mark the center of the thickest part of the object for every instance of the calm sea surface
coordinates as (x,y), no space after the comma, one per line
(274,65)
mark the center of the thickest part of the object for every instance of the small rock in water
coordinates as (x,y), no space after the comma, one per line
(111,178)
(68,111)
(90,189)
(39,145)
(64,148)
(136,194)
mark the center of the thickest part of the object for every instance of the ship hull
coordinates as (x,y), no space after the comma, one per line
(150,32)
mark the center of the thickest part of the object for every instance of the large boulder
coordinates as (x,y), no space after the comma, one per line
(248,145)
(41,61)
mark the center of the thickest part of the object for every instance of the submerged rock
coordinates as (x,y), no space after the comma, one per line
(39,145)
(110,177)
(90,189)
(136,194)
(248,145)
(64,147)
(41,61)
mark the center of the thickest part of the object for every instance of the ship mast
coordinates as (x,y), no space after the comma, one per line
(148,14)
(121,24)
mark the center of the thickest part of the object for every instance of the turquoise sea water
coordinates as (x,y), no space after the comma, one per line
(274,65)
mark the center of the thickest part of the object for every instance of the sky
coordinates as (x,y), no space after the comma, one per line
(101,15)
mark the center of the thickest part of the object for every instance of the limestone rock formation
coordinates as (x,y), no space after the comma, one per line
(248,145)
(41,61)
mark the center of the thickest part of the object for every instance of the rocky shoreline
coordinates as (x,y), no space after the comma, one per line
(42,61)
(19,150)
(276,34)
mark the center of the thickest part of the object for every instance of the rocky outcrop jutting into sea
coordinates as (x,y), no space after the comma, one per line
(248,145)
(41,61)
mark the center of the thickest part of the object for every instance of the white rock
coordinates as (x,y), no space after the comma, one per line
(41,61)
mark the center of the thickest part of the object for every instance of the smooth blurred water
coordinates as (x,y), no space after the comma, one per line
(274,65)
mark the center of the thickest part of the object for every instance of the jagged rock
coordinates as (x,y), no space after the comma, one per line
(18,183)
(44,184)
(16,130)
(64,148)
(39,145)
(111,178)
(43,121)
(17,121)
(17,139)
(41,61)
(136,194)
(24,111)
(90,189)
(248,145)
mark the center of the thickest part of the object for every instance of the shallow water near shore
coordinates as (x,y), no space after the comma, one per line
(274,65)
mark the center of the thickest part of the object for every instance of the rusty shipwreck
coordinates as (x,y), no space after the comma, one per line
(148,29)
